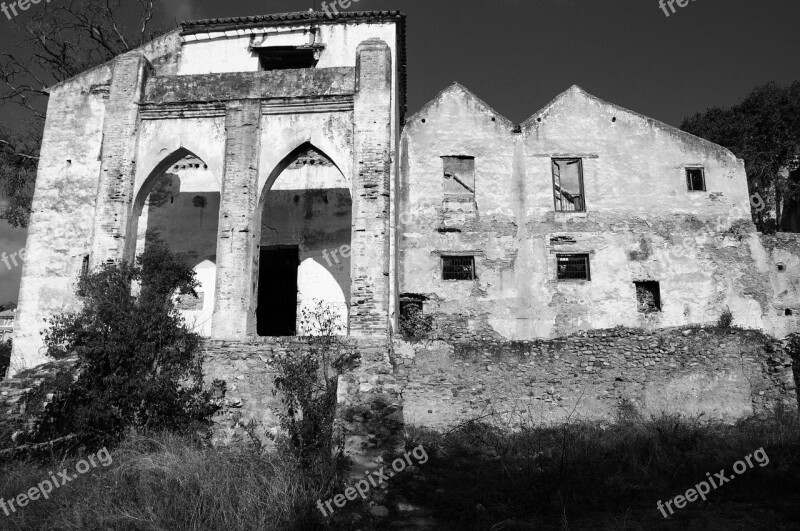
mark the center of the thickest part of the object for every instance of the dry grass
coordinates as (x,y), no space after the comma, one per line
(169,482)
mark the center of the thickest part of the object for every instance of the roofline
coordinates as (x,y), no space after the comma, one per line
(441,93)
(54,86)
(282,19)
(530,122)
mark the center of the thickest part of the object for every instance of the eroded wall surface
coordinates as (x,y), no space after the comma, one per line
(640,224)
(723,374)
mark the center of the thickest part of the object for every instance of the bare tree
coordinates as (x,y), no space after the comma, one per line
(57,41)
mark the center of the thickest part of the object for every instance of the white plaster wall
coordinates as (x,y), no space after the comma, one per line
(696,244)
(60,230)
(159,139)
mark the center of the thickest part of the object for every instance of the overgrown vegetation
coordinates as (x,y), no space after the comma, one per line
(307,383)
(168,481)
(138,363)
(598,475)
(576,475)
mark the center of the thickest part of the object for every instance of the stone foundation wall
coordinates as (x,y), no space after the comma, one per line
(717,373)
(370,416)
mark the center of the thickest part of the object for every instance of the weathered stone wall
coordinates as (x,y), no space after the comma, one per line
(370,413)
(720,373)
(641,223)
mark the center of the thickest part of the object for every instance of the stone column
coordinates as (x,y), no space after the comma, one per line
(370,412)
(237,256)
(369,307)
(118,165)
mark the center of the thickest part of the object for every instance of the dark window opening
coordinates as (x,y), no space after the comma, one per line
(199,201)
(573,267)
(85,266)
(781,268)
(410,309)
(459,175)
(696,179)
(648,296)
(288,57)
(458,268)
(568,185)
(787,312)
(276,313)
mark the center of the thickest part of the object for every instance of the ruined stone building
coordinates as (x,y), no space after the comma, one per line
(276,152)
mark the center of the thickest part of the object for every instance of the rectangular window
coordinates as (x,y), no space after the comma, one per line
(287,57)
(696,179)
(459,175)
(458,268)
(568,185)
(573,267)
(648,296)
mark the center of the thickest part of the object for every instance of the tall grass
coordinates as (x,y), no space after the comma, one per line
(581,469)
(168,482)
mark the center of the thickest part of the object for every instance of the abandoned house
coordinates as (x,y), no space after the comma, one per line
(275,151)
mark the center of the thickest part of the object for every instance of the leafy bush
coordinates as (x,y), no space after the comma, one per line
(308,382)
(5,357)
(137,360)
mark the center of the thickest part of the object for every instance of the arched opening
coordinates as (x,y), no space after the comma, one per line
(304,244)
(179,204)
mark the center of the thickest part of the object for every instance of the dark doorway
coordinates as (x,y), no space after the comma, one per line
(277,291)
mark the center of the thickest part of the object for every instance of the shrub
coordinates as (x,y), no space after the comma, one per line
(5,357)
(137,360)
(307,382)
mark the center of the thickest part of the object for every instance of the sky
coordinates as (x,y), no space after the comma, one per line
(517,55)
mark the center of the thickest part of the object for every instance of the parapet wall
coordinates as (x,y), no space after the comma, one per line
(723,374)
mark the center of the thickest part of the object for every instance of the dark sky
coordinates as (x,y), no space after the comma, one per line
(519,54)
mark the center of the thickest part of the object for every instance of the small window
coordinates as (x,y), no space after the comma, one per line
(568,185)
(459,175)
(458,268)
(648,296)
(696,179)
(573,267)
(287,57)
(85,266)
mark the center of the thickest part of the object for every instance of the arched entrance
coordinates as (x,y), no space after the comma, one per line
(179,204)
(304,244)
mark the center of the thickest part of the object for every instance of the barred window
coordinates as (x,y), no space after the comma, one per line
(573,267)
(696,179)
(458,268)
(568,185)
